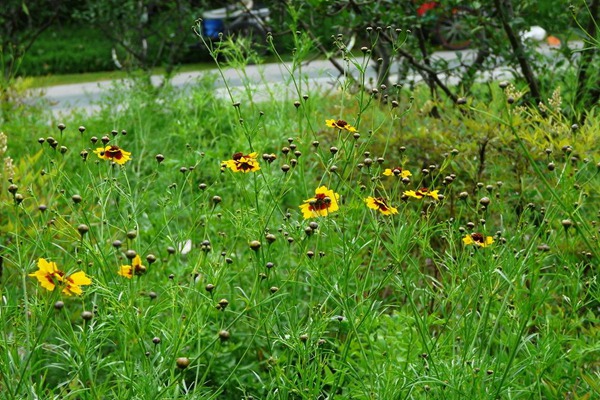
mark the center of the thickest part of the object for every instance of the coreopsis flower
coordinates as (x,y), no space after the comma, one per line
(478,239)
(136,268)
(380,204)
(113,153)
(242,163)
(74,282)
(324,203)
(50,276)
(420,193)
(397,171)
(340,124)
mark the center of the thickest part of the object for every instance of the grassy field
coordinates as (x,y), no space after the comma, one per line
(325,245)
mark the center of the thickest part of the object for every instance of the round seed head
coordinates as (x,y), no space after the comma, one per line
(224,335)
(83,229)
(223,303)
(182,362)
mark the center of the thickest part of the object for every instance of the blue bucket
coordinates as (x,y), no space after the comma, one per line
(212,27)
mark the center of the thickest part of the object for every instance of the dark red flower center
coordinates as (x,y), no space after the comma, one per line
(244,166)
(381,204)
(397,171)
(422,192)
(478,237)
(114,152)
(321,202)
(51,277)
(341,123)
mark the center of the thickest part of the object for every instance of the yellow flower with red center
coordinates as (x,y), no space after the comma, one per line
(423,192)
(242,163)
(340,124)
(324,203)
(380,204)
(50,276)
(113,153)
(398,171)
(478,239)
(74,281)
(136,268)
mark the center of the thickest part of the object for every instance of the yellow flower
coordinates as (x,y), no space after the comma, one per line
(478,239)
(398,171)
(242,163)
(136,268)
(340,124)
(324,203)
(74,281)
(113,153)
(379,203)
(420,193)
(50,276)
(47,274)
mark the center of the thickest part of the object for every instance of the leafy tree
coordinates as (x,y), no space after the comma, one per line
(145,33)
(401,38)
(21,23)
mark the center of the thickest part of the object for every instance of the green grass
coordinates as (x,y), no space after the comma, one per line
(352,304)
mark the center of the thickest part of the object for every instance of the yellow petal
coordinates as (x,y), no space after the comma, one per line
(126,271)
(79,278)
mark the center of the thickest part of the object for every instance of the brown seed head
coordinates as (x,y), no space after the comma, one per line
(182,362)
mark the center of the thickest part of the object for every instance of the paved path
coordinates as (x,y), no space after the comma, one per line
(264,78)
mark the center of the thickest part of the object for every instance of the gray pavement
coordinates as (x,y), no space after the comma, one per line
(265,80)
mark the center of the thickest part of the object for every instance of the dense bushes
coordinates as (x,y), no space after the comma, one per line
(68,50)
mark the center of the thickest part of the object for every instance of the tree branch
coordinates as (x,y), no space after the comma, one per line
(504,8)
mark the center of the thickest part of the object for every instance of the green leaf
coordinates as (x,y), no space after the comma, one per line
(25,9)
